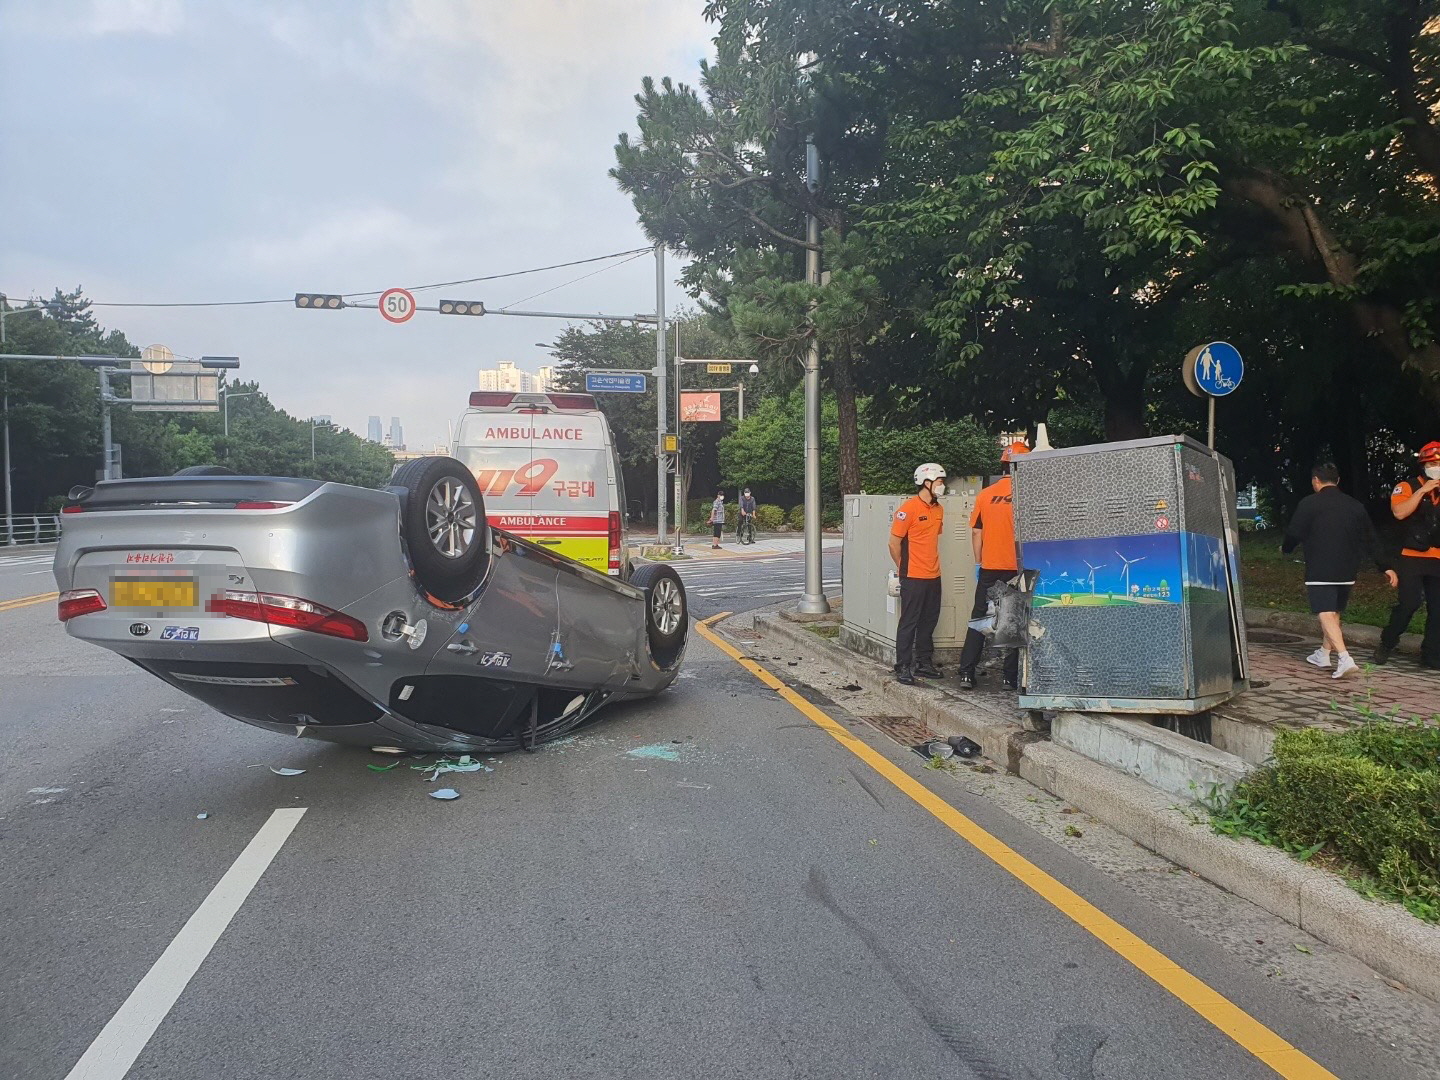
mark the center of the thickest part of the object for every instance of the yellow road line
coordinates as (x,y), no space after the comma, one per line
(26,601)
(1229,1018)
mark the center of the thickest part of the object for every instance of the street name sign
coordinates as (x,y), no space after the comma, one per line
(614,384)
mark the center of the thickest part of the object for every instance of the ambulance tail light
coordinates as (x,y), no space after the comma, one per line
(572,401)
(484,399)
(615,542)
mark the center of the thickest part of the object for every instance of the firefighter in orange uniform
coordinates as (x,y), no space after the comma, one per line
(992,538)
(915,535)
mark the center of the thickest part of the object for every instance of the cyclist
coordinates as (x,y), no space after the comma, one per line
(746,528)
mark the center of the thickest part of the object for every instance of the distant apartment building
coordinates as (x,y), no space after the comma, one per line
(374,432)
(508,377)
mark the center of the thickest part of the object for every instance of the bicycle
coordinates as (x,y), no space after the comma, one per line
(745,529)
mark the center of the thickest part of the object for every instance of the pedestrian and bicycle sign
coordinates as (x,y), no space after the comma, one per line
(601,383)
(397,305)
(1214,370)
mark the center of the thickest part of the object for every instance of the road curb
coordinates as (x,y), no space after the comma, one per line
(1384,936)
(1295,622)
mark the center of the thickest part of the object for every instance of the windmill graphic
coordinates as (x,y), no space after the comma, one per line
(1093,568)
(1126,572)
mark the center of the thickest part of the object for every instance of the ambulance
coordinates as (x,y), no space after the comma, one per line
(548,470)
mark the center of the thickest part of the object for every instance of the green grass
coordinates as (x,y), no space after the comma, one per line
(825,630)
(1277,582)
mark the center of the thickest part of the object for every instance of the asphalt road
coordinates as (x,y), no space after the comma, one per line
(707,885)
(746,582)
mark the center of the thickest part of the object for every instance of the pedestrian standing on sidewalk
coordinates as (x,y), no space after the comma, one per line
(747,516)
(1337,534)
(1416,504)
(717,518)
(992,538)
(915,549)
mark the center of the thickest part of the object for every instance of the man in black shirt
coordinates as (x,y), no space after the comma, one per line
(1337,533)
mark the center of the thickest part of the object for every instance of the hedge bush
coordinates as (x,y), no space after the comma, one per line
(796,517)
(1370,797)
(769,517)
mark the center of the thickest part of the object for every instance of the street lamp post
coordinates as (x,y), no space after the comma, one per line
(225,396)
(812,601)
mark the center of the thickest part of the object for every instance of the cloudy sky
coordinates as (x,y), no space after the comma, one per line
(201,150)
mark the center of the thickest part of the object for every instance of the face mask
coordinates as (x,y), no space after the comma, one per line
(1433,472)
(937,489)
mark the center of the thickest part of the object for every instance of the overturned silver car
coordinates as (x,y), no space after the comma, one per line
(393,616)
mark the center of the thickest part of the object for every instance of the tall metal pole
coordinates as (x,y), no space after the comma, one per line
(312,438)
(105,395)
(660,400)
(1212,423)
(741,389)
(225,408)
(812,601)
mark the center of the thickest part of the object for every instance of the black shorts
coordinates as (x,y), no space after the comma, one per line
(718,528)
(1328,598)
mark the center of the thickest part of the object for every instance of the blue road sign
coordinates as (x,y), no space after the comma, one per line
(1219,368)
(614,384)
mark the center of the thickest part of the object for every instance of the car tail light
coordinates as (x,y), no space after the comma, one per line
(614,541)
(572,401)
(480,399)
(262,505)
(75,602)
(277,610)
(72,509)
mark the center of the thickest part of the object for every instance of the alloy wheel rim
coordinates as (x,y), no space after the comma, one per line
(450,518)
(667,606)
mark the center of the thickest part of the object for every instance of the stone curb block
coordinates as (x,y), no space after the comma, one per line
(1001,740)
(1295,622)
(1384,936)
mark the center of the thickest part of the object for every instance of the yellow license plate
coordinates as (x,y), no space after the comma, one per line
(155,593)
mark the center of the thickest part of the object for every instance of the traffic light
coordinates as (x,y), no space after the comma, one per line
(318,300)
(461,307)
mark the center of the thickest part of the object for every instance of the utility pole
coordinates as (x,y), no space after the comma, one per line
(660,394)
(680,492)
(812,601)
(105,439)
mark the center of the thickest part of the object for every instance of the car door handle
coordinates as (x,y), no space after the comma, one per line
(464,648)
(549,543)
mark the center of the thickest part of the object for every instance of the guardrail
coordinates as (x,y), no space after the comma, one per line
(23,530)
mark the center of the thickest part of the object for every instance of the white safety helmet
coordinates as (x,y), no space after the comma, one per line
(929,471)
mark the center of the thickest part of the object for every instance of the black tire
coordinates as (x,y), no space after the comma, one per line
(442,519)
(206,470)
(667,612)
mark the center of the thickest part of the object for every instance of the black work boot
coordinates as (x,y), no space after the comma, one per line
(966,679)
(1382,654)
(929,671)
(906,677)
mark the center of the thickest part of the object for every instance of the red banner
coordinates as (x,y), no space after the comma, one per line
(700,408)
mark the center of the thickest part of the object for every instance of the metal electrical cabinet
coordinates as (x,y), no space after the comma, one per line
(1137,604)
(871,614)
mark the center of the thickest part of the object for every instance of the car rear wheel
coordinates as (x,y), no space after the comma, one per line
(442,518)
(667,612)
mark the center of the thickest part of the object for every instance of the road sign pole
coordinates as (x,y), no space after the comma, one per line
(1212,423)
(108,447)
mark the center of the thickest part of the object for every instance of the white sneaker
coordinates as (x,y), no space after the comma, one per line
(1320,658)
(1344,666)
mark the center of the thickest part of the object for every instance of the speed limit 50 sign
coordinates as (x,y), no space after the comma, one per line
(397,305)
